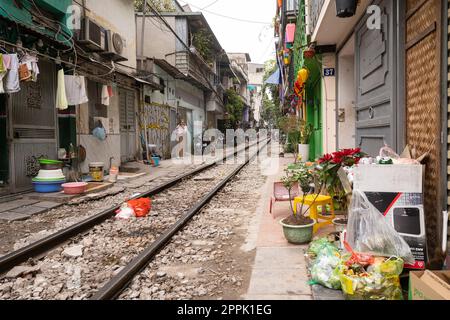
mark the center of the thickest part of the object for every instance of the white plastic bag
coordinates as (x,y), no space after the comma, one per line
(125,213)
(368,231)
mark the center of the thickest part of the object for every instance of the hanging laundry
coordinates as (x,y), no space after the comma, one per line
(7,61)
(110,91)
(76,90)
(61,98)
(32,64)
(24,72)
(12,83)
(3,72)
(105,95)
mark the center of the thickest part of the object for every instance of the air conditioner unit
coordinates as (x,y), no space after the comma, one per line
(92,36)
(115,45)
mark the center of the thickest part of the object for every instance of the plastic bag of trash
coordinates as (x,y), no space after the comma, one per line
(323,270)
(357,283)
(125,212)
(321,246)
(140,206)
(368,231)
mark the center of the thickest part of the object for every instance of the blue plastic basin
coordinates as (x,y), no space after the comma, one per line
(48,187)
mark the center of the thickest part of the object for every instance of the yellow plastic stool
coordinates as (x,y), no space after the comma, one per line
(313,203)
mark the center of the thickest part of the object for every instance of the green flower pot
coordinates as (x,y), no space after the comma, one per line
(298,234)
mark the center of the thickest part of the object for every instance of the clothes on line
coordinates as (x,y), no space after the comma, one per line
(61,97)
(12,83)
(76,90)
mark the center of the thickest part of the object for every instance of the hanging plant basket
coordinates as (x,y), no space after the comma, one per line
(346,8)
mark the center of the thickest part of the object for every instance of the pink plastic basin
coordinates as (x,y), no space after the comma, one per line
(75,187)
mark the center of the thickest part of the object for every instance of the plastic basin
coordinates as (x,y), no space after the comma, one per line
(75,187)
(50,174)
(47,187)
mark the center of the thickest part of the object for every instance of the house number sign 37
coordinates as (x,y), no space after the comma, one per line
(329,72)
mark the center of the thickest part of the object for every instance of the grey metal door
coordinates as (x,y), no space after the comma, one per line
(127,125)
(375,83)
(32,126)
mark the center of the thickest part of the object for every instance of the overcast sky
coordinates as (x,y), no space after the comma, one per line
(238,36)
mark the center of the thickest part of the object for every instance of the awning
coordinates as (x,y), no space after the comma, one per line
(275,78)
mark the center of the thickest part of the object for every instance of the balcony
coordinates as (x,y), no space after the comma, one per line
(325,27)
(193,67)
(315,7)
(290,8)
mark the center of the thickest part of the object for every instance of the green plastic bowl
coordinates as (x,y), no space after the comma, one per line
(48,161)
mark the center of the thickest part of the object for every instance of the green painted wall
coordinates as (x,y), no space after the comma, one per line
(313,89)
(10,11)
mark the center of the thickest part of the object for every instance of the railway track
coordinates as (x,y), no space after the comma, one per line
(168,225)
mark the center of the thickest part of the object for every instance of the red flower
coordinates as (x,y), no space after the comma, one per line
(356,151)
(337,159)
(326,158)
(347,152)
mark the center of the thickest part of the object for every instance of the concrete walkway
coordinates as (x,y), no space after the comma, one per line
(279,271)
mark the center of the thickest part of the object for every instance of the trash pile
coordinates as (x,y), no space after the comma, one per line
(360,276)
(137,208)
(373,259)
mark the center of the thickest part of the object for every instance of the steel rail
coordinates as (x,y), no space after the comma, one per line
(34,249)
(118,283)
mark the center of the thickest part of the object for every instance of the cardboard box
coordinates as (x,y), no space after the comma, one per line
(396,191)
(429,285)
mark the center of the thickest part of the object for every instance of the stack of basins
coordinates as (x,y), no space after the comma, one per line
(50,177)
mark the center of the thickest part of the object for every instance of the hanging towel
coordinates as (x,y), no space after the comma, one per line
(61,98)
(12,83)
(105,95)
(76,90)
(110,91)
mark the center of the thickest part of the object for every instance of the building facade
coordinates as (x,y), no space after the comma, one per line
(383,81)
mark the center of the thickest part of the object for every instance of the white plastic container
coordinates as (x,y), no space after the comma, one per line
(303,151)
(50,174)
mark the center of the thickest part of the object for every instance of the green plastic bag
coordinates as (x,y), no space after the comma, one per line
(323,271)
(322,246)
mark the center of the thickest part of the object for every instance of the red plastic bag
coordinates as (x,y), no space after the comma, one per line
(140,206)
(358,258)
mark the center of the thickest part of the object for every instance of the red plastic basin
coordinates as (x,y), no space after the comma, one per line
(75,187)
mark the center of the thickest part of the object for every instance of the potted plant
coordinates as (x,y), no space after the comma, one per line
(298,228)
(330,168)
(306,131)
(346,8)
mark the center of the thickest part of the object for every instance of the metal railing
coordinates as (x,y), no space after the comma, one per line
(315,7)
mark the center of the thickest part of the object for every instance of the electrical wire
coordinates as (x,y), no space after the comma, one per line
(159,16)
(210,5)
(229,17)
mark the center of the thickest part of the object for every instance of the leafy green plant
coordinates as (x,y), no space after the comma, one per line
(203,42)
(234,108)
(306,132)
(159,5)
(302,175)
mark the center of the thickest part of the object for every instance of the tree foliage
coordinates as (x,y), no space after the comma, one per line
(203,42)
(235,109)
(160,5)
